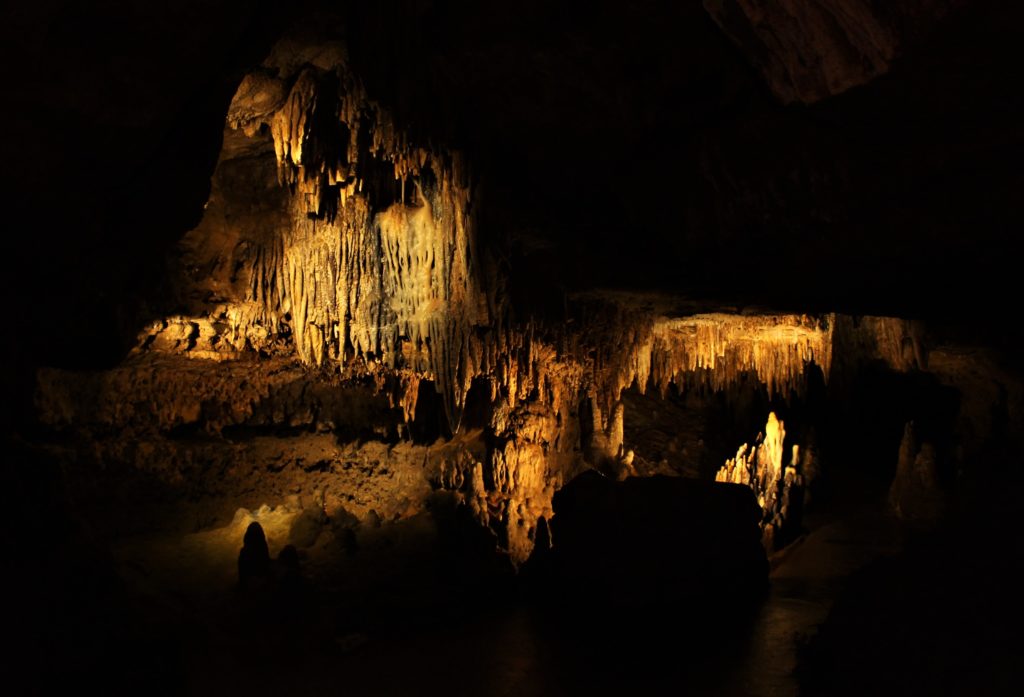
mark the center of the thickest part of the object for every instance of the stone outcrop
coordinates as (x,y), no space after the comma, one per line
(197,408)
(807,51)
(915,494)
(677,539)
(366,247)
(779,487)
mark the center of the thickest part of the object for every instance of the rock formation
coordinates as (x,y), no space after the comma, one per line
(915,494)
(676,538)
(344,331)
(394,280)
(807,51)
(779,488)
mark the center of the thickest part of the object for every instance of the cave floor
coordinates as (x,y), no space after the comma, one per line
(417,632)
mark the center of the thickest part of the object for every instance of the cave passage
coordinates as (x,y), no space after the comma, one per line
(426,347)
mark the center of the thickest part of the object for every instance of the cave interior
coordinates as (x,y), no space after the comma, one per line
(436,346)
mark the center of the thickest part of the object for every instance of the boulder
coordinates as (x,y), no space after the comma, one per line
(657,539)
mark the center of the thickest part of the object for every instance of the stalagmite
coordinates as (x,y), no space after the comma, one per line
(914,493)
(615,428)
(779,489)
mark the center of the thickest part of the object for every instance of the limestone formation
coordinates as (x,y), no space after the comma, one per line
(396,286)
(338,287)
(778,487)
(253,558)
(807,51)
(915,494)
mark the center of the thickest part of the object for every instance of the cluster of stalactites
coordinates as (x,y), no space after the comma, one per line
(718,351)
(775,348)
(398,287)
(328,129)
(358,271)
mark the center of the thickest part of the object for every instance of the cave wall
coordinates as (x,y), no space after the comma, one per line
(384,277)
(385,224)
(809,51)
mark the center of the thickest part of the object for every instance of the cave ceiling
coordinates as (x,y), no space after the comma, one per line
(852,156)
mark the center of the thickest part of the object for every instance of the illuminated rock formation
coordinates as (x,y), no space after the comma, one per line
(779,489)
(361,256)
(388,278)
(339,276)
(368,252)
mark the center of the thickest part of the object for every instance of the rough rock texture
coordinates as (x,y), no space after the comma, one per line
(129,101)
(376,340)
(991,401)
(364,245)
(160,393)
(197,412)
(807,51)
(337,276)
(341,329)
(331,238)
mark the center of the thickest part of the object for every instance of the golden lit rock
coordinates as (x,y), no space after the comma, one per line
(777,487)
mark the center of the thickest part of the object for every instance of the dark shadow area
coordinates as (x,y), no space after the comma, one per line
(864,421)
(678,539)
(71,617)
(476,412)
(430,422)
(943,618)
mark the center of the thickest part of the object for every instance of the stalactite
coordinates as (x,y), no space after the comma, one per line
(398,284)
(709,350)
